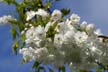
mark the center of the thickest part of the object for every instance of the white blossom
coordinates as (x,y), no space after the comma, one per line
(29,35)
(28,53)
(62,28)
(41,53)
(75,19)
(75,44)
(58,40)
(80,37)
(90,29)
(6,19)
(39,32)
(30,15)
(42,13)
(83,25)
(56,15)
(69,25)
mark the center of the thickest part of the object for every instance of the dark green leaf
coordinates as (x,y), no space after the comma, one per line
(36,65)
(23,44)
(50,70)
(39,69)
(13,32)
(65,11)
(62,69)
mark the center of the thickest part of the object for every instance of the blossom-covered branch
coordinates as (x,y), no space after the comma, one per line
(49,38)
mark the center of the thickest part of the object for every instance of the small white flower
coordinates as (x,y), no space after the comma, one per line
(41,53)
(39,32)
(90,29)
(56,15)
(35,35)
(58,40)
(28,53)
(30,15)
(80,37)
(75,19)
(62,28)
(69,25)
(29,35)
(83,25)
(69,36)
(42,13)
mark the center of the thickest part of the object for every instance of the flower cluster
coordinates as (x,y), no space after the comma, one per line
(68,42)
(6,19)
(59,42)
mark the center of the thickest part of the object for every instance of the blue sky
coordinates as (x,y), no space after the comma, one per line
(92,11)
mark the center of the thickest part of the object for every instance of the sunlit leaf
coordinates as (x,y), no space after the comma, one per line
(51,32)
(15,47)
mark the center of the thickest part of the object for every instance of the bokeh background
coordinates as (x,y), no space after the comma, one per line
(92,11)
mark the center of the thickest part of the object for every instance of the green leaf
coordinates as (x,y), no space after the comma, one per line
(15,47)
(23,37)
(39,69)
(21,26)
(13,22)
(65,11)
(99,70)
(48,4)
(13,32)
(36,65)
(23,44)
(20,8)
(50,70)
(62,69)
(51,31)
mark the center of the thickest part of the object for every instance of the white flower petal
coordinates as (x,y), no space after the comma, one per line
(30,15)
